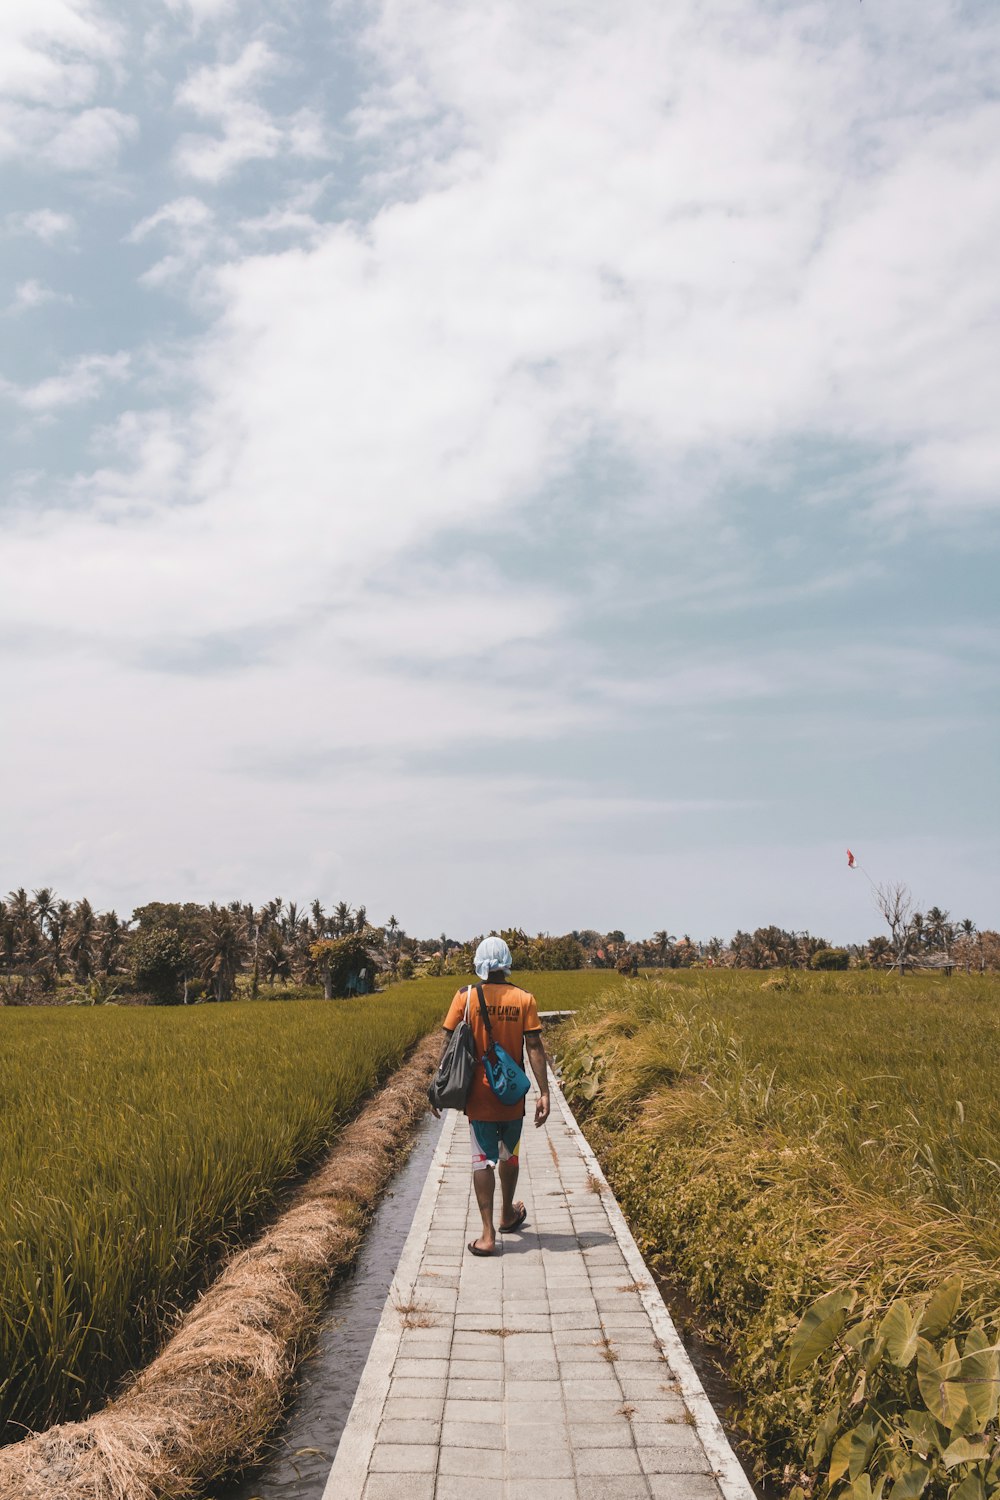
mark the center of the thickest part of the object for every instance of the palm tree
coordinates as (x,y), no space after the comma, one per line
(664,942)
(45,907)
(109,938)
(81,938)
(342,918)
(26,935)
(8,937)
(222,951)
(19,905)
(966,929)
(59,924)
(937,927)
(275,961)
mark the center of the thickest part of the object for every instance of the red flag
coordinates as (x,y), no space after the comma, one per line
(851,861)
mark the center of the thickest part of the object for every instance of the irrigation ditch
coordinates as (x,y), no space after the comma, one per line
(711,1363)
(298,1462)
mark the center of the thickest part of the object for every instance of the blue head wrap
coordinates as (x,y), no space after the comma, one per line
(491,954)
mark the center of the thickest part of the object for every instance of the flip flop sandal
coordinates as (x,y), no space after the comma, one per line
(474,1249)
(509,1228)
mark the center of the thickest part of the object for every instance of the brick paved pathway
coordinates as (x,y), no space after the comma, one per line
(551,1371)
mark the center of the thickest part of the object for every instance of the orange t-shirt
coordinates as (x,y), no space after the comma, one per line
(512,1013)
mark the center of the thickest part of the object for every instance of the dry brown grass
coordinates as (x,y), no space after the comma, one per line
(415,1315)
(206,1404)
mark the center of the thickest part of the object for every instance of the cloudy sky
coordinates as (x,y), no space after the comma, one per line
(534,462)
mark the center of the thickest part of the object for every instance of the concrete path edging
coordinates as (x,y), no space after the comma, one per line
(729,1472)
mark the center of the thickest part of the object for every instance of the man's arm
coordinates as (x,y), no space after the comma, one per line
(536,1057)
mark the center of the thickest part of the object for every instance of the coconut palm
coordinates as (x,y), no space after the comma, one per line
(27,939)
(81,939)
(58,926)
(45,906)
(274,960)
(664,941)
(109,939)
(8,937)
(938,926)
(221,951)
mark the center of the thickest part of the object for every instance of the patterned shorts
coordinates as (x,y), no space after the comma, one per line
(493,1141)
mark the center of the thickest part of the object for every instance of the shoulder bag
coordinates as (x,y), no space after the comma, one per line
(449,1088)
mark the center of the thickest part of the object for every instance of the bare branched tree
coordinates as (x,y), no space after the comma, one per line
(895,901)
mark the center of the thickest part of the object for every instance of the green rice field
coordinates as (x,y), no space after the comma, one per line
(140,1144)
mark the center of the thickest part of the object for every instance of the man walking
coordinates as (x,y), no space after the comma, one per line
(495,1128)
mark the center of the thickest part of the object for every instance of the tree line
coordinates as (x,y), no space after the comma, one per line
(177,952)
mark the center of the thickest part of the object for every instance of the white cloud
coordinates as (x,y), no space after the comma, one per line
(50,49)
(180,213)
(215,90)
(33,293)
(638,225)
(190,230)
(49,225)
(91,140)
(202,11)
(54,57)
(81,380)
(226,95)
(783,259)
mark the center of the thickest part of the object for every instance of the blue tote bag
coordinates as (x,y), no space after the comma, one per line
(506,1078)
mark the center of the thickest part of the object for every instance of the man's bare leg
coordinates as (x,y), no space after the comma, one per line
(509,1210)
(483,1182)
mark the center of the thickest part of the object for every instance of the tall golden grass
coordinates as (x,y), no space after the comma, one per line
(773,1135)
(897,1079)
(140,1146)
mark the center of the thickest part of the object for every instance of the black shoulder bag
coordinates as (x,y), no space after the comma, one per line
(451,1083)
